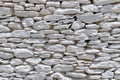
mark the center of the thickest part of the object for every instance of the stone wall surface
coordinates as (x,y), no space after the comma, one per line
(59,39)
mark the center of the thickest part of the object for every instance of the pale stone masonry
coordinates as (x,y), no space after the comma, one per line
(59,39)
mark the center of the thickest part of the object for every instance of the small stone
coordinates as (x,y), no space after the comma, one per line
(23,69)
(4,29)
(53,4)
(55,36)
(5,12)
(26,13)
(27,22)
(6,69)
(69,4)
(44,12)
(72,49)
(52,61)
(117,71)
(87,18)
(102,58)
(76,75)
(107,74)
(91,7)
(20,34)
(33,61)
(41,25)
(92,51)
(43,68)
(102,2)
(115,31)
(84,1)
(105,65)
(37,1)
(94,77)
(57,55)
(62,68)
(18,8)
(57,75)
(61,27)
(53,17)
(87,56)
(15,26)
(6,55)
(92,26)
(94,71)
(16,61)
(77,25)
(56,48)
(22,53)
(67,11)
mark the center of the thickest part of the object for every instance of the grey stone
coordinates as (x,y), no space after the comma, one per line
(52,61)
(69,4)
(16,61)
(6,69)
(5,12)
(41,25)
(77,25)
(76,75)
(37,1)
(89,18)
(90,7)
(15,26)
(4,29)
(43,68)
(53,17)
(33,61)
(105,65)
(20,34)
(23,69)
(102,2)
(84,1)
(27,22)
(107,74)
(62,68)
(87,56)
(53,4)
(57,75)
(94,71)
(56,48)
(55,36)
(6,55)
(67,11)
(26,13)
(18,8)
(22,53)
(117,71)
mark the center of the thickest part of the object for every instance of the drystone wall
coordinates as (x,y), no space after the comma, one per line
(59,39)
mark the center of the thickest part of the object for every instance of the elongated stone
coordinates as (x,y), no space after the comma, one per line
(5,12)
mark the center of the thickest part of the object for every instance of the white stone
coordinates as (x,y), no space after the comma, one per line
(57,75)
(22,53)
(107,74)
(69,4)
(53,4)
(55,36)
(20,34)
(43,68)
(4,29)
(15,26)
(18,8)
(26,13)
(6,55)
(94,71)
(53,17)
(92,26)
(72,48)
(23,69)
(90,7)
(33,61)
(41,25)
(5,12)
(16,61)
(115,31)
(67,11)
(92,51)
(87,56)
(52,61)
(37,1)
(103,58)
(84,1)
(105,65)
(56,48)
(27,22)
(89,18)
(104,2)
(117,71)
(62,68)
(6,69)
(77,25)
(76,75)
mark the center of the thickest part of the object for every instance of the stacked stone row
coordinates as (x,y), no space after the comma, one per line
(59,39)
